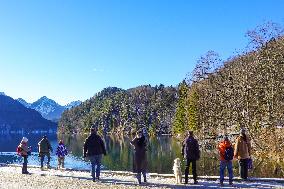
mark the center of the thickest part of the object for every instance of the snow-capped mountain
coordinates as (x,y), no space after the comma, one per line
(48,108)
(2,93)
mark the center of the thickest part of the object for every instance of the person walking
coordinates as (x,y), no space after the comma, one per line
(44,149)
(226,152)
(24,151)
(94,147)
(140,156)
(242,152)
(61,152)
(190,151)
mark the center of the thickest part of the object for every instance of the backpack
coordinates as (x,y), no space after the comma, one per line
(192,149)
(229,153)
(19,150)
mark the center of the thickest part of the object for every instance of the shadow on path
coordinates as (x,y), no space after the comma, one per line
(201,184)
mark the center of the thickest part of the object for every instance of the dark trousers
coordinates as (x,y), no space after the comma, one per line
(96,165)
(243,163)
(138,176)
(25,165)
(42,155)
(186,172)
(140,165)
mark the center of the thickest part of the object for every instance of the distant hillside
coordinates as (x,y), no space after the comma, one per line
(48,108)
(118,110)
(15,117)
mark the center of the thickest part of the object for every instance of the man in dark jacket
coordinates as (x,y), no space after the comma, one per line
(44,149)
(94,147)
(190,151)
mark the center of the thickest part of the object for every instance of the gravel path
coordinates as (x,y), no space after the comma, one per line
(11,178)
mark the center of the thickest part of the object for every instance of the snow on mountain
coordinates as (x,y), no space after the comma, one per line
(73,104)
(23,102)
(2,93)
(48,108)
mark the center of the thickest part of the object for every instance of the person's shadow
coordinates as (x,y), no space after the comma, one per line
(201,184)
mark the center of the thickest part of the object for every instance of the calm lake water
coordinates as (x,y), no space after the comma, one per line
(161,153)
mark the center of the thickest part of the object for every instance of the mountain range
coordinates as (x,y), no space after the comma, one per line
(14,117)
(48,108)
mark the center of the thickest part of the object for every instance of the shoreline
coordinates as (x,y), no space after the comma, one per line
(160,175)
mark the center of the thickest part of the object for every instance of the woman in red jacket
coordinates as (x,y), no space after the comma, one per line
(226,156)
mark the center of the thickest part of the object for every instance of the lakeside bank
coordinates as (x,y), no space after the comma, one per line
(11,178)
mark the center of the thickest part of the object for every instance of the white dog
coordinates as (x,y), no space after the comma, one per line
(177,170)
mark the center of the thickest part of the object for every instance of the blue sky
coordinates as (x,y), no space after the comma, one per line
(69,50)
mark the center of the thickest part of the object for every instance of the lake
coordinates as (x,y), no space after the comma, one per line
(161,153)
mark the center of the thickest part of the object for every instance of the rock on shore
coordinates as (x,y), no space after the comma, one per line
(11,178)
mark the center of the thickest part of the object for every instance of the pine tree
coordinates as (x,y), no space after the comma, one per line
(180,121)
(192,110)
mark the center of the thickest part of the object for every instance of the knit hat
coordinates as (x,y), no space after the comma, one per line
(25,139)
(226,137)
(242,131)
(94,128)
(190,133)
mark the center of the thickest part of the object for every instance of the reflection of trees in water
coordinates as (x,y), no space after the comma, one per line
(161,153)
(74,144)
(119,155)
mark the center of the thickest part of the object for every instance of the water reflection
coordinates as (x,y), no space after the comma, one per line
(161,153)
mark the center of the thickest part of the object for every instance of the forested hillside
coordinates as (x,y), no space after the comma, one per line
(124,111)
(244,91)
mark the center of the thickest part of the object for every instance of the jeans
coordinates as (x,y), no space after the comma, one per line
(223,165)
(96,165)
(186,172)
(243,163)
(42,155)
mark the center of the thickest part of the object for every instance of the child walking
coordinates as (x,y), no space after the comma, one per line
(61,152)
(24,151)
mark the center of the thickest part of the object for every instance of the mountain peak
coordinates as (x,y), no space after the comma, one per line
(44,98)
(48,108)
(23,102)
